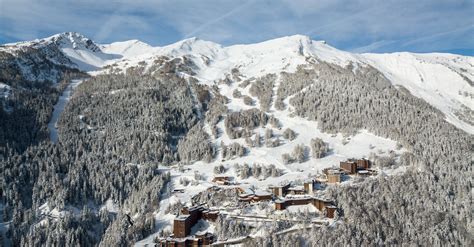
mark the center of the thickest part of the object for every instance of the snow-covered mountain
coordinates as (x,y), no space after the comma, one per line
(443,80)
(127,48)
(152,127)
(69,49)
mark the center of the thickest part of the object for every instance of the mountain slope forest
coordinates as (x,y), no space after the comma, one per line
(134,125)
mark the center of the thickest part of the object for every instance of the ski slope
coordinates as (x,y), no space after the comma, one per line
(59,108)
(443,80)
(439,79)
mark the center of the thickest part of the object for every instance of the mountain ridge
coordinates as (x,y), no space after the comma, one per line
(149,129)
(424,75)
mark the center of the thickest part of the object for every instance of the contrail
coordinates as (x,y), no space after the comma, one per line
(373,46)
(211,22)
(340,21)
(383,43)
(108,26)
(414,41)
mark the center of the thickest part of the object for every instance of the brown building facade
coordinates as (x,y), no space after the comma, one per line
(296,191)
(189,217)
(363,164)
(321,204)
(349,166)
(198,240)
(309,186)
(255,197)
(330,211)
(222,180)
(334,177)
(280,190)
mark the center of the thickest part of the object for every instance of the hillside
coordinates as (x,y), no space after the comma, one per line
(119,137)
(424,75)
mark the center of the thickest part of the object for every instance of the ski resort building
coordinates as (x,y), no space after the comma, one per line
(255,197)
(280,190)
(222,180)
(199,239)
(283,190)
(296,190)
(330,211)
(363,164)
(321,204)
(349,166)
(189,217)
(308,186)
(332,175)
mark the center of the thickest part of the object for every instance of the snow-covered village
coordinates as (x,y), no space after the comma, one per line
(302,203)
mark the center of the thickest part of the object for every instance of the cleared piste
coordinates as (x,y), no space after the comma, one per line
(59,108)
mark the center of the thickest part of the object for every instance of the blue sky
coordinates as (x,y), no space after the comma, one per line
(359,26)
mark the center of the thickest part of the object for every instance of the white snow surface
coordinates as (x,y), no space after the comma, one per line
(273,56)
(358,146)
(59,108)
(440,79)
(434,77)
(127,48)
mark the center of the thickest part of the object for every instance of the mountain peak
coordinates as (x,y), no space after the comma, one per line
(127,48)
(193,45)
(298,37)
(291,40)
(73,40)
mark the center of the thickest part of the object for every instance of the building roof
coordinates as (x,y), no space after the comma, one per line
(298,198)
(280,186)
(333,172)
(262,193)
(182,217)
(296,188)
(198,207)
(246,191)
(222,178)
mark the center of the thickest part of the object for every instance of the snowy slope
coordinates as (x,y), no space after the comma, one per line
(79,51)
(59,108)
(273,56)
(252,60)
(127,48)
(443,80)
